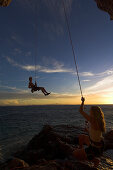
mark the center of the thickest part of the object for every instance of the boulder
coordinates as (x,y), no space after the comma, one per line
(46,145)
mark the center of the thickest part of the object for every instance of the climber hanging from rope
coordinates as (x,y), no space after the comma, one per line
(35,88)
(31,85)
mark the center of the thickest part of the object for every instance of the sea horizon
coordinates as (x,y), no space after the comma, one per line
(54,105)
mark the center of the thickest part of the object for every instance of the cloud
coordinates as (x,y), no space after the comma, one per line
(9,102)
(15,37)
(107,72)
(57,67)
(103,85)
(101,74)
(28,98)
(14,89)
(25,97)
(100,92)
(24,94)
(87,74)
(17,51)
(12,62)
(20,41)
(86,80)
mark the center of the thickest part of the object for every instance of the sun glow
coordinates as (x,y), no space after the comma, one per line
(109,100)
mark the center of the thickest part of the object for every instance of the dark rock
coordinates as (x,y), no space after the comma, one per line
(52,149)
(5,3)
(106,5)
(47,144)
(14,164)
(109,136)
(109,140)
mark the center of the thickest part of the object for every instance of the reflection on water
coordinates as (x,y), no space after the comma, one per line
(107,160)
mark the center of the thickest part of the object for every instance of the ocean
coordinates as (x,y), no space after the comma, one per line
(18,124)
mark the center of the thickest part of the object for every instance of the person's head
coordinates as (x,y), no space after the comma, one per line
(98,116)
(30,79)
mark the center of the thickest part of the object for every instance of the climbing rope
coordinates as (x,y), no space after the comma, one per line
(71,42)
(35,36)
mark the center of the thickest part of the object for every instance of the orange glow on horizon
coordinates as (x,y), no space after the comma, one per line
(58,100)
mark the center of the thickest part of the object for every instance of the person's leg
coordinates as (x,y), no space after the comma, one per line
(83,139)
(32,90)
(43,90)
(80,154)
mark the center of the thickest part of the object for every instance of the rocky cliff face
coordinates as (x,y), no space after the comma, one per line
(106,5)
(5,3)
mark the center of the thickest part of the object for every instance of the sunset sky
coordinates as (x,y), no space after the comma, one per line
(25,32)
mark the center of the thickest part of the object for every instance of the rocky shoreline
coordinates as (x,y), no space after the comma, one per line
(44,151)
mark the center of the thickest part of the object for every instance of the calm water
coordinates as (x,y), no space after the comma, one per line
(19,124)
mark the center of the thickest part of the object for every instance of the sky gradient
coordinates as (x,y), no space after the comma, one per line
(27,34)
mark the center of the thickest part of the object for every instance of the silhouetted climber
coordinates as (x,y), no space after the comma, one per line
(35,88)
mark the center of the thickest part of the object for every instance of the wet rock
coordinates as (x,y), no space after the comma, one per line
(45,145)
(48,165)
(52,149)
(57,165)
(106,5)
(109,136)
(109,140)
(14,164)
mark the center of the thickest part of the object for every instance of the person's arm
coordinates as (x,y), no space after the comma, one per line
(35,84)
(81,110)
(29,86)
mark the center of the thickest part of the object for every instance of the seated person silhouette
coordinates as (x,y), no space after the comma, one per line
(35,88)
